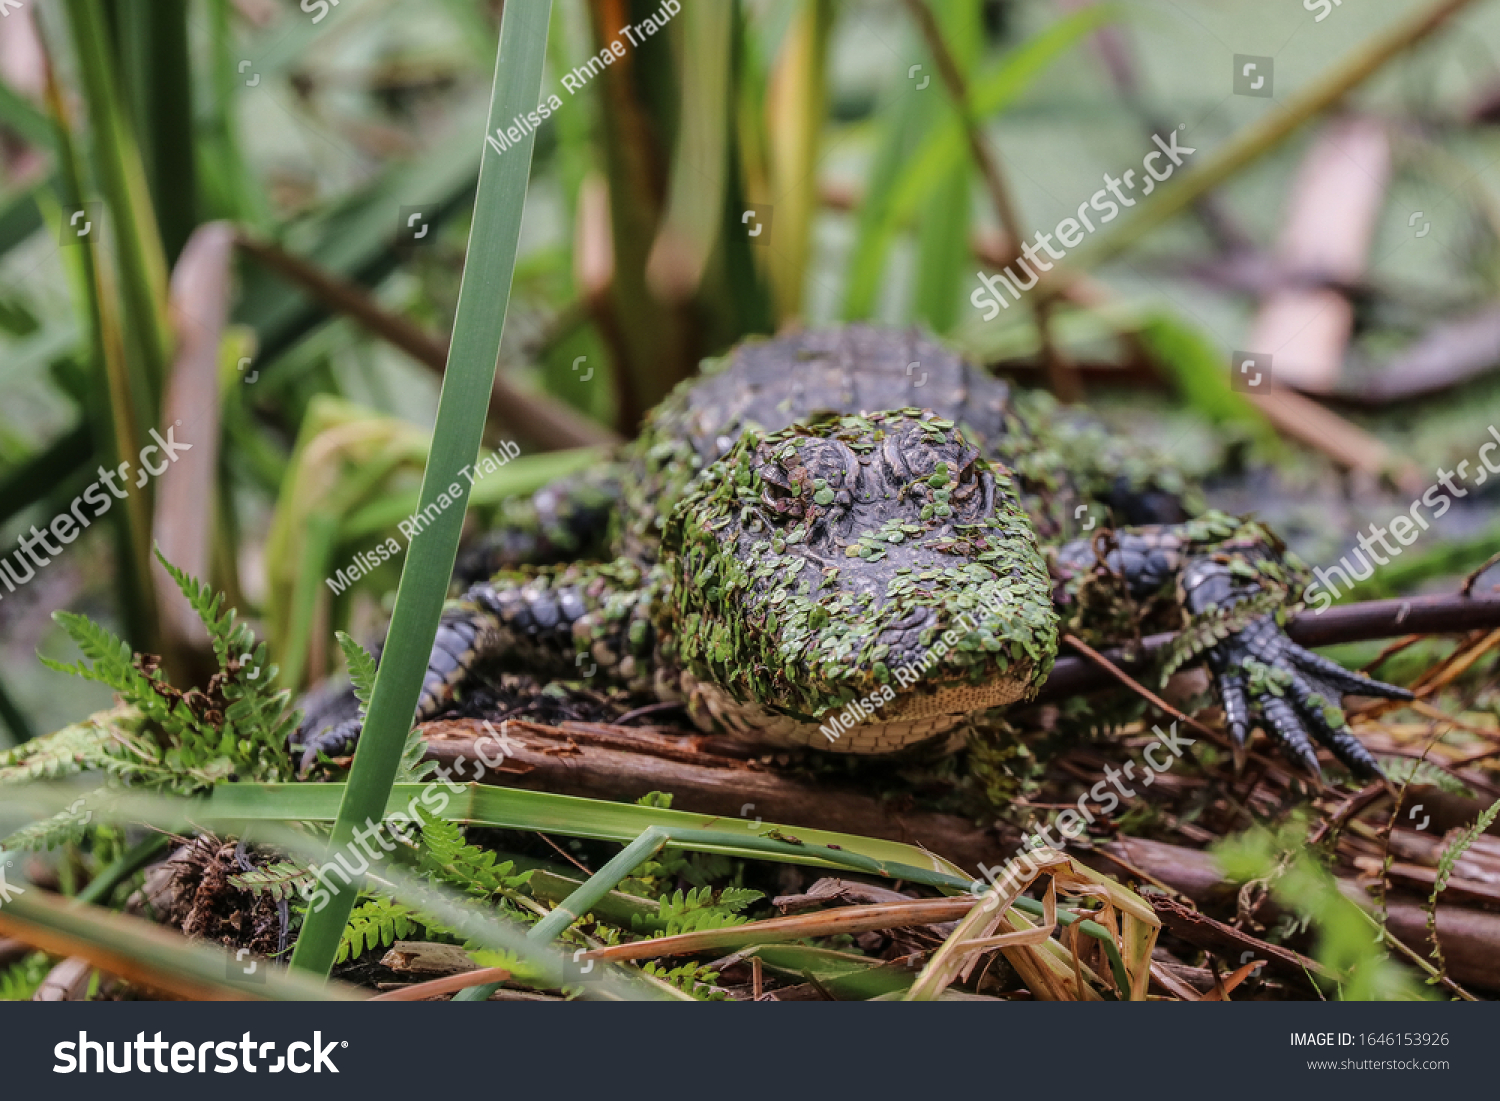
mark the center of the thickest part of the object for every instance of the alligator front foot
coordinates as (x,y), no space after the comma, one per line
(1298,694)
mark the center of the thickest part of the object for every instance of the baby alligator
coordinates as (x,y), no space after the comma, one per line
(854,540)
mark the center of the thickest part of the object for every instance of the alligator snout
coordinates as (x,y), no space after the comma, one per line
(904,636)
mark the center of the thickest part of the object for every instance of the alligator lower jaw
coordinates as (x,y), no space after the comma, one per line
(913,717)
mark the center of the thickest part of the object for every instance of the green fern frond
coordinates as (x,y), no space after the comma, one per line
(697,910)
(1459,845)
(691,978)
(362,670)
(1447,862)
(413,769)
(73,749)
(230,639)
(282,879)
(63,828)
(378,923)
(1411,770)
(450,858)
(239,724)
(113,663)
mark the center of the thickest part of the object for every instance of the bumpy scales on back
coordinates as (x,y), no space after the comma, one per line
(853,540)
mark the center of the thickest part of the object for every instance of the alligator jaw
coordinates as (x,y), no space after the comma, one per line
(913,717)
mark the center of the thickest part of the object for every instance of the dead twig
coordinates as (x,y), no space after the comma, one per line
(1345,623)
(1468,586)
(543,420)
(1137,687)
(1061,377)
(448,984)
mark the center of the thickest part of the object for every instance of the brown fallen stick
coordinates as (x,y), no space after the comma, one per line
(846,919)
(448,984)
(628,764)
(1345,623)
(543,420)
(621,764)
(1470,938)
(1229,943)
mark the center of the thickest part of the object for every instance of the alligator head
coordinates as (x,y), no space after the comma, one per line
(868,571)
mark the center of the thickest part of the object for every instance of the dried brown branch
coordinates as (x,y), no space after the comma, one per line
(1345,623)
(538,418)
(848,919)
(448,984)
(1061,377)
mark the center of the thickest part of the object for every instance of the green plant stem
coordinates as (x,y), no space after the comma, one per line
(1250,144)
(467,381)
(114,410)
(655,838)
(122,178)
(160,72)
(131,861)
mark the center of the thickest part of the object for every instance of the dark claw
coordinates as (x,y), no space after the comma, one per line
(1340,678)
(1336,736)
(1236,705)
(1288,732)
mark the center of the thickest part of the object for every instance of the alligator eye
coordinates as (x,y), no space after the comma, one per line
(968,480)
(779,500)
(773,494)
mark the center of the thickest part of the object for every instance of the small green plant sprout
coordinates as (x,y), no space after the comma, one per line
(160,737)
(1349,943)
(362,666)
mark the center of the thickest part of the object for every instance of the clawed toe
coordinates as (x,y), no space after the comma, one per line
(1298,695)
(1336,676)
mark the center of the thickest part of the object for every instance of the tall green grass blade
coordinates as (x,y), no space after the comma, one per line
(122,180)
(229,190)
(943,240)
(903,121)
(796,109)
(473,354)
(118,392)
(695,203)
(240,805)
(159,74)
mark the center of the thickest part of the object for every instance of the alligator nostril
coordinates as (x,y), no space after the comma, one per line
(915,618)
(902,634)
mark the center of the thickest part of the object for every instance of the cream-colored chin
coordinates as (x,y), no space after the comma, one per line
(913,717)
(954,699)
